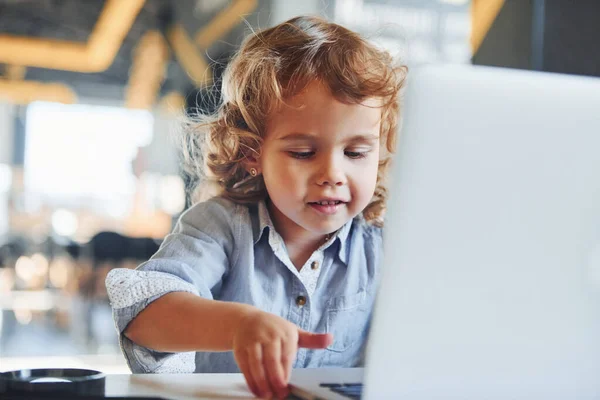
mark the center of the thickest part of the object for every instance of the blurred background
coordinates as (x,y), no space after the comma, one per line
(91,93)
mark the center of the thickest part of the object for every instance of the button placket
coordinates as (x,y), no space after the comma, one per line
(301,301)
(300,309)
(311,270)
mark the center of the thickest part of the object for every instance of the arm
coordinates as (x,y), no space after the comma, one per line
(197,324)
(165,309)
(264,345)
(192,259)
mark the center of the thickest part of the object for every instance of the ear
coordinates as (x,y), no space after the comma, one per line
(252,164)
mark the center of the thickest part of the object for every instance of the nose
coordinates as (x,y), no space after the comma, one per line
(331,172)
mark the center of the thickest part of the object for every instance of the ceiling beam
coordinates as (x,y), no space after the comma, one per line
(24,92)
(147,71)
(96,55)
(483,14)
(188,56)
(224,22)
(15,72)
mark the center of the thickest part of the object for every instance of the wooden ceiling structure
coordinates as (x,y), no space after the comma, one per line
(150,52)
(483,14)
(140,53)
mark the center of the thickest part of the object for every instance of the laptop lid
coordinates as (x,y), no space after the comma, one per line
(491,284)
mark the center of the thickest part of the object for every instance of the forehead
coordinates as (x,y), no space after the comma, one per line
(316,111)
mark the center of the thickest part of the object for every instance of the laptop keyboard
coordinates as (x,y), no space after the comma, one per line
(350,390)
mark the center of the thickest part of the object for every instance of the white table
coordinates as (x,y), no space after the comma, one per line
(179,386)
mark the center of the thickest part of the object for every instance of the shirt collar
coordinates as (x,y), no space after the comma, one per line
(264,222)
(342,236)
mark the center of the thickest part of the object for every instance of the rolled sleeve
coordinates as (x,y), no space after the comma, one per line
(193,258)
(130,291)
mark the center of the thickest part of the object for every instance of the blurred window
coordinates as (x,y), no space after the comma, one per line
(416,31)
(81,155)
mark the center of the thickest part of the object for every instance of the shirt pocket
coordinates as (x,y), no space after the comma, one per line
(347,318)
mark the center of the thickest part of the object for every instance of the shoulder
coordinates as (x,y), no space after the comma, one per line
(215,215)
(215,205)
(363,240)
(367,238)
(367,230)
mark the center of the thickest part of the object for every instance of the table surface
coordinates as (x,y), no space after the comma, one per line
(179,386)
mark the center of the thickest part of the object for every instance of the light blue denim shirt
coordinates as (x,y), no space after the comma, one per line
(225,251)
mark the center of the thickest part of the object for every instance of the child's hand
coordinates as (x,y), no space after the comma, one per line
(265,347)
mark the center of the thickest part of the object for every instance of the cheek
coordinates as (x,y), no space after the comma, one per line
(371,177)
(279,173)
(365,179)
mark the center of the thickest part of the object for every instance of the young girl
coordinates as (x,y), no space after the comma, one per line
(279,270)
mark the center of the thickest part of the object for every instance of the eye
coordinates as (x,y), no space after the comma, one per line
(301,155)
(356,154)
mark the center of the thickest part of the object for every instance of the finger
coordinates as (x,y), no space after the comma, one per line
(274,369)
(255,362)
(288,355)
(242,363)
(311,340)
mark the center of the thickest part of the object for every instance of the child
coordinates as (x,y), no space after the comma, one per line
(279,270)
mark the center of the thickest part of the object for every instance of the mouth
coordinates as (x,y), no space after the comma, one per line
(327,207)
(326,202)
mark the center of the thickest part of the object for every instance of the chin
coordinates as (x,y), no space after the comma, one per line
(326,227)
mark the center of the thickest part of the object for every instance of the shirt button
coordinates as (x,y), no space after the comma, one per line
(300,301)
(314,265)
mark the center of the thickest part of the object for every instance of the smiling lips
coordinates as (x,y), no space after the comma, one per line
(327,207)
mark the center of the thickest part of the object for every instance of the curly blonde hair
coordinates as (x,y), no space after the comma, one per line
(270,67)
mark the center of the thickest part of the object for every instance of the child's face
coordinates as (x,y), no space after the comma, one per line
(318,150)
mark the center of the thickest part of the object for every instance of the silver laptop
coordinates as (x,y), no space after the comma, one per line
(491,284)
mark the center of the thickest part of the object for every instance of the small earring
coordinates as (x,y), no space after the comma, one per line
(253,171)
